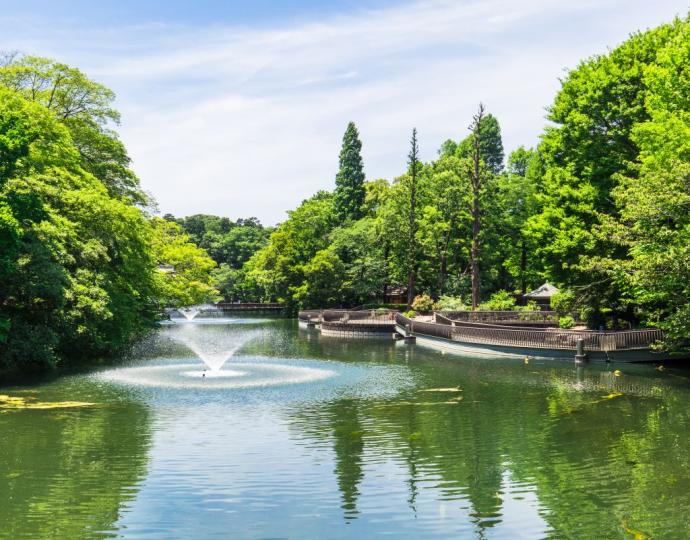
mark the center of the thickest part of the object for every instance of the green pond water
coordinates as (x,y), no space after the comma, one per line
(304,436)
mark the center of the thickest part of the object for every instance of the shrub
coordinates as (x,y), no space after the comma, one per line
(563,301)
(499,301)
(423,302)
(530,306)
(410,314)
(450,303)
(566,322)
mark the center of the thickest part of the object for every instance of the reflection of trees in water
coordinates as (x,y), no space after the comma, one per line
(68,473)
(348,444)
(599,463)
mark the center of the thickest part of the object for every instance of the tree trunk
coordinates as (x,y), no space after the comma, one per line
(412,248)
(385,272)
(474,252)
(476,182)
(523,267)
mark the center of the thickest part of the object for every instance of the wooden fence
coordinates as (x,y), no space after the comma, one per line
(540,338)
(527,318)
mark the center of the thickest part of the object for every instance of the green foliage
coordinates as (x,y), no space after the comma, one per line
(517,191)
(423,303)
(491,144)
(230,244)
(410,313)
(320,273)
(450,303)
(77,256)
(76,272)
(654,198)
(279,268)
(349,193)
(190,282)
(566,321)
(564,301)
(595,112)
(499,301)
(85,108)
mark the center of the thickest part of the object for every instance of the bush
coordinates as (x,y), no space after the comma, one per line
(410,314)
(566,322)
(450,303)
(423,303)
(499,301)
(563,301)
(530,306)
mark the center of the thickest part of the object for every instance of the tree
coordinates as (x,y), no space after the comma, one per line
(517,191)
(85,108)
(589,144)
(443,220)
(653,201)
(278,269)
(77,269)
(413,172)
(485,161)
(349,182)
(190,281)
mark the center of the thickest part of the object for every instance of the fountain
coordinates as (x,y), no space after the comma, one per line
(211,346)
(189,313)
(214,344)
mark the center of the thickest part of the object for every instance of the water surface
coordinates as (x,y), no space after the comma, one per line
(313,437)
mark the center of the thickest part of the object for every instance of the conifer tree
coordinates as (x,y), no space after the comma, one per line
(349,182)
(413,173)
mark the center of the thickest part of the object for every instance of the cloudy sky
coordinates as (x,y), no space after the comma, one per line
(238,108)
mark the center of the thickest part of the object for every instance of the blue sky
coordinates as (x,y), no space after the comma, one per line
(238,108)
(190,12)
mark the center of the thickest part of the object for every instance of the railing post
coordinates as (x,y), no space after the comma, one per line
(580,356)
(409,338)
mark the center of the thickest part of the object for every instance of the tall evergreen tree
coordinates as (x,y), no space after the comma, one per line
(349,182)
(414,170)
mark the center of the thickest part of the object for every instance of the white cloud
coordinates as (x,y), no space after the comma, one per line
(242,121)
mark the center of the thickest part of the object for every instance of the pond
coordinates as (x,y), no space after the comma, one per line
(297,435)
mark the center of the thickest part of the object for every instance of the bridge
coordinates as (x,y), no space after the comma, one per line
(248,307)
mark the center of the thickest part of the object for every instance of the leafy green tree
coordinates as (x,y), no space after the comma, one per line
(443,223)
(517,191)
(278,269)
(589,144)
(349,182)
(190,281)
(321,276)
(485,160)
(362,250)
(77,277)
(85,108)
(654,201)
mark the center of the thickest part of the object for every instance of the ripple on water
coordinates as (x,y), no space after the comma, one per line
(251,375)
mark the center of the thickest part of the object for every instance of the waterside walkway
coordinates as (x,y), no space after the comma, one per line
(532,334)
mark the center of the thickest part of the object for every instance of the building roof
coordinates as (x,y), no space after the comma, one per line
(545,291)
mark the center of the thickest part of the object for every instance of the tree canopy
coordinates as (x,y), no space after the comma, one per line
(78,256)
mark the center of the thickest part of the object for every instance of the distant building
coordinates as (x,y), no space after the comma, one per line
(395,295)
(542,295)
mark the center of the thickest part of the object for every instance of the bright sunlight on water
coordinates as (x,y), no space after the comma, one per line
(285,433)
